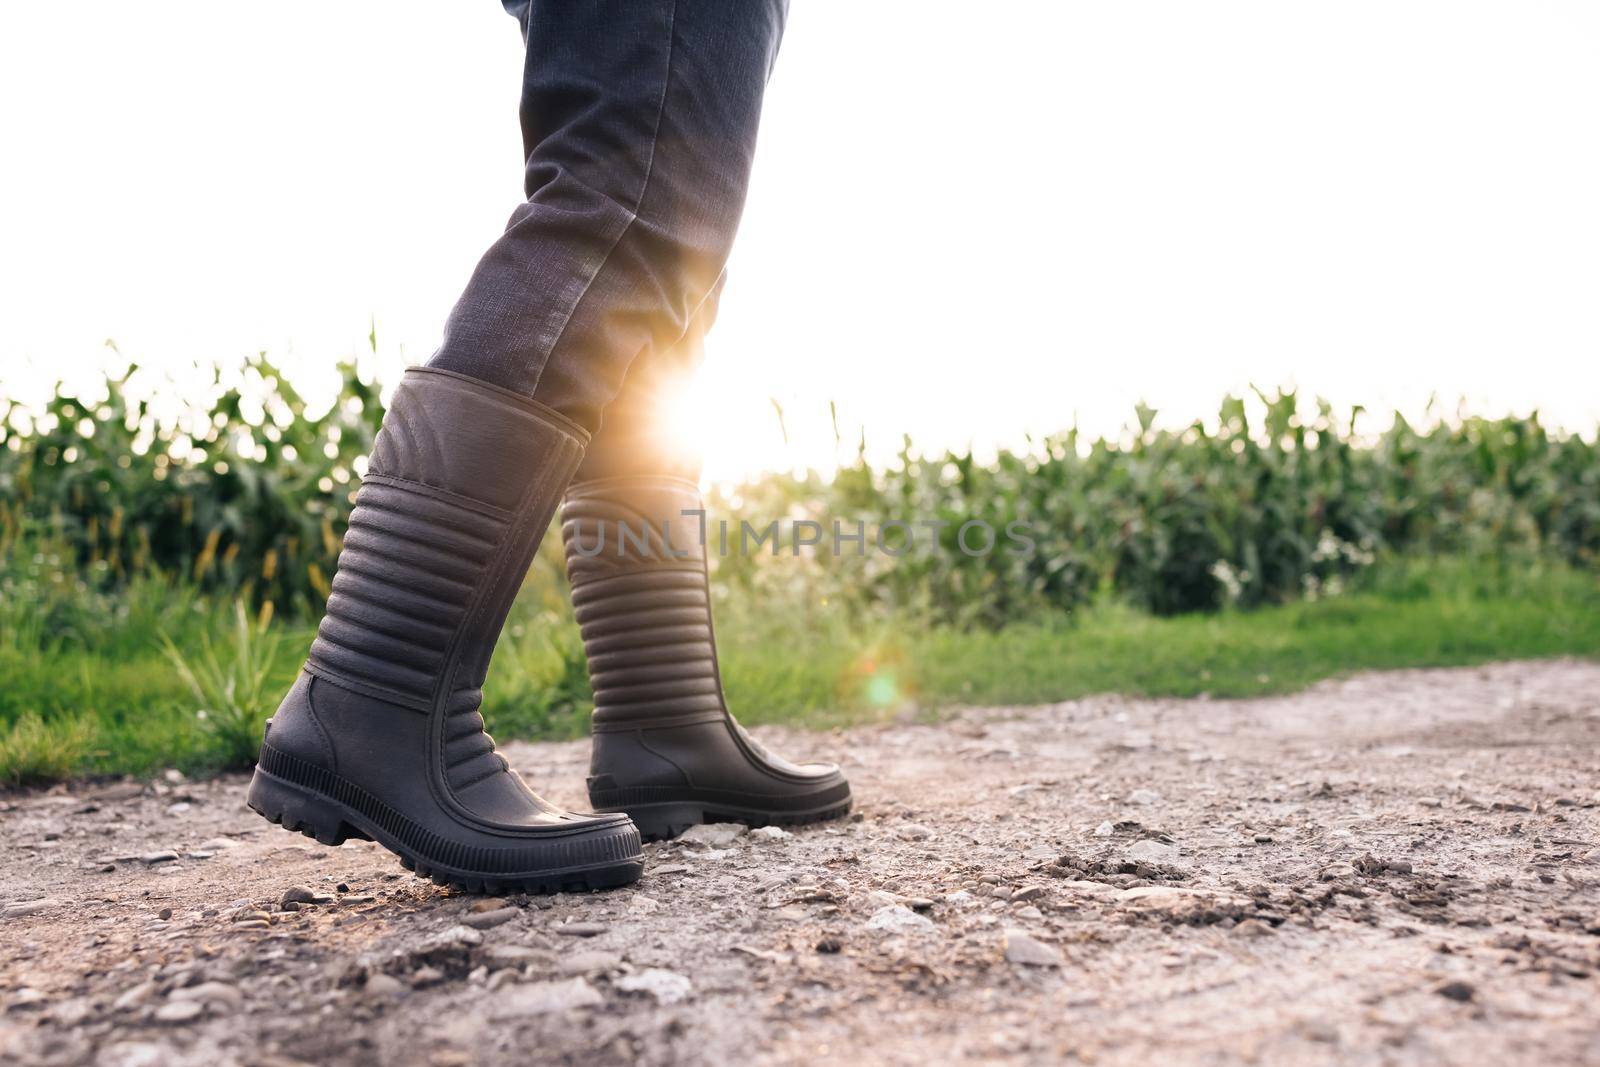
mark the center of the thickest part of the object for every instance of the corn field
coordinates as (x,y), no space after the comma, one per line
(248,493)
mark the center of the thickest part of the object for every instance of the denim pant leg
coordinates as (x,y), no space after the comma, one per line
(639,118)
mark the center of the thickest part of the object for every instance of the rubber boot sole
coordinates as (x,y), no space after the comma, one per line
(331,822)
(665,820)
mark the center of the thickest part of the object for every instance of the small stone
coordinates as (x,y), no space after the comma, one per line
(501,956)
(830,946)
(1143,797)
(1252,928)
(1026,951)
(899,919)
(1027,911)
(384,985)
(912,831)
(452,943)
(484,904)
(484,920)
(770,833)
(581,929)
(917,903)
(219,844)
(179,808)
(297,894)
(589,961)
(164,914)
(153,858)
(27,907)
(667,987)
(134,996)
(423,977)
(1105,829)
(639,904)
(216,994)
(959,897)
(1263,839)
(543,998)
(713,834)
(199,854)
(1430,802)
(1458,990)
(1028,892)
(180,1011)
(669,868)
(1149,851)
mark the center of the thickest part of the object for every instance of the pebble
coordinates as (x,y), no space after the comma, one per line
(1105,829)
(770,833)
(1252,928)
(180,1011)
(297,894)
(670,868)
(713,834)
(452,941)
(1028,892)
(1430,802)
(218,844)
(1149,851)
(498,956)
(1144,796)
(27,907)
(219,994)
(1458,991)
(899,919)
(1026,951)
(667,987)
(134,996)
(384,985)
(912,831)
(484,920)
(153,858)
(581,929)
(543,998)
(589,961)
(423,977)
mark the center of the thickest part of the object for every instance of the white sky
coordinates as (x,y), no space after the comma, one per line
(969,222)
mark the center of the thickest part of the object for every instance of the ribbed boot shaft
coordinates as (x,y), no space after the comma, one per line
(463,480)
(638,574)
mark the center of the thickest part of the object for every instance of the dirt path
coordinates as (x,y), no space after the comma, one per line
(1396,868)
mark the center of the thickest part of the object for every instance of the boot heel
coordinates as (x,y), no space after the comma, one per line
(659,822)
(296,809)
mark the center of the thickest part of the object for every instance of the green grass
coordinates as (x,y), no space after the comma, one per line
(111,700)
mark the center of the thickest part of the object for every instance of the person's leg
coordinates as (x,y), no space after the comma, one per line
(640,116)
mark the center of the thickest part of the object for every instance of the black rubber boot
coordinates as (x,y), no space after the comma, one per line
(666,750)
(381,737)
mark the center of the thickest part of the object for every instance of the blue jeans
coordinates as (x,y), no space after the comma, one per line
(639,122)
